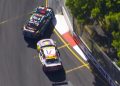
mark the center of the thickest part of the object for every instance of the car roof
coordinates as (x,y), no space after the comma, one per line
(35,19)
(49,52)
(46,42)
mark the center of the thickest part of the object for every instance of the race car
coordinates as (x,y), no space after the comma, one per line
(43,10)
(49,55)
(38,22)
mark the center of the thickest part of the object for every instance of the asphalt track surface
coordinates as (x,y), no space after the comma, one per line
(19,62)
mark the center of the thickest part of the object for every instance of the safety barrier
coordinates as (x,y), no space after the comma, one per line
(106,74)
(94,62)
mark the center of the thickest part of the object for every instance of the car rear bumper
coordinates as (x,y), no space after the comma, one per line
(54,68)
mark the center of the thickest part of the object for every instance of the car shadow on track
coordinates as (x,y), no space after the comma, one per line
(57,76)
(31,42)
(60,84)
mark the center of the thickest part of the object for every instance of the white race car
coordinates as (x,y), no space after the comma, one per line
(49,55)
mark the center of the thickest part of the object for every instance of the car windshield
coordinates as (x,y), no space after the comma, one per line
(35,19)
(49,61)
(34,22)
(48,46)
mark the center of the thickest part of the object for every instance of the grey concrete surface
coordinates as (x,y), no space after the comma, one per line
(18,67)
(56,5)
(19,63)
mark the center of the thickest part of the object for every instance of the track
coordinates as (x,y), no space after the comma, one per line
(19,63)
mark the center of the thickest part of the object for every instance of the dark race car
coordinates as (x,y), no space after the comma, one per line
(38,22)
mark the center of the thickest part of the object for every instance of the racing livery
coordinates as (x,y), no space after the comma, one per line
(49,55)
(38,22)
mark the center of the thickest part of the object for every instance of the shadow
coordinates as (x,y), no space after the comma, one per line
(105,44)
(60,83)
(102,37)
(31,42)
(54,21)
(58,76)
(101,40)
(99,79)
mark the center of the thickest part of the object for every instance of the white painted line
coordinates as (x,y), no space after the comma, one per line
(3,22)
(79,51)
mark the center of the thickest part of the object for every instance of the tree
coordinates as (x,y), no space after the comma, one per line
(81,9)
(112,21)
(116,42)
(106,11)
(87,9)
(95,13)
